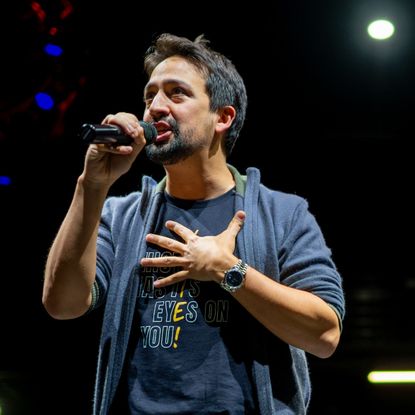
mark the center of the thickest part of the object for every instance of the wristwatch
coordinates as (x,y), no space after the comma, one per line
(234,277)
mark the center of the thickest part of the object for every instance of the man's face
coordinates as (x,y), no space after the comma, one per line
(176,101)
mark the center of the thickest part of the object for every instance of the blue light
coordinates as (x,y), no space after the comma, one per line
(44,101)
(53,50)
(5,181)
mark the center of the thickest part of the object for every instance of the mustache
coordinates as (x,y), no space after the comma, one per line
(173,124)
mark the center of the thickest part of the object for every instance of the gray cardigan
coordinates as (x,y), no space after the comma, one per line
(280,238)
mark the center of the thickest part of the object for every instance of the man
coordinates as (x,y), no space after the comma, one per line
(214,286)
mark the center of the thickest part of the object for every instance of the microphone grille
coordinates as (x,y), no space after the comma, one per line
(150,132)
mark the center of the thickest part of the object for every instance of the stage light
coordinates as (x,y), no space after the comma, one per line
(53,50)
(5,181)
(44,101)
(392,376)
(381,29)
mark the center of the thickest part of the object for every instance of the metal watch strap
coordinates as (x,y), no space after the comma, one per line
(240,266)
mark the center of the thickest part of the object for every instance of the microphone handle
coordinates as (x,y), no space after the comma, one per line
(112,134)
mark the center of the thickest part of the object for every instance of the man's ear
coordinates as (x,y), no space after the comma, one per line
(226,115)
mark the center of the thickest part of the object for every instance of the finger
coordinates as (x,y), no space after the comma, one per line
(168,261)
(108,148)
(107,119)
(171,279)
(185,233)
(99,151)
(164,242)
(235,225)
(128,122)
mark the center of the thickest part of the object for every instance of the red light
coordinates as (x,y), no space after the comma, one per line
(37,8)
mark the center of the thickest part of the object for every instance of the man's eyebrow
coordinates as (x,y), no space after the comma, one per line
(168,81)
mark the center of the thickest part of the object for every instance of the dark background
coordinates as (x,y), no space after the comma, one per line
(330,118)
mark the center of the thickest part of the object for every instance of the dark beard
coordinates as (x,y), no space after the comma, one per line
(177,149)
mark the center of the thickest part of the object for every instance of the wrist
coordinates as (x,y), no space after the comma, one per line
(224,265)
(234,277)
(92,185)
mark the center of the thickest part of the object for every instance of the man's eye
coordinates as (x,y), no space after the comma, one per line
(177,91)
(148,97)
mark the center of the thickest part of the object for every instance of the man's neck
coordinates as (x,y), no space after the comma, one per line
(196,180)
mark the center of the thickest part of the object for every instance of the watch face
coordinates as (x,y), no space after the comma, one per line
(234,278)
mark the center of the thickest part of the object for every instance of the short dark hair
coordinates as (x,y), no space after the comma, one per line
(224,85)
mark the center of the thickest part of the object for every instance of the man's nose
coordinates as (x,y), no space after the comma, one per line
(159,106)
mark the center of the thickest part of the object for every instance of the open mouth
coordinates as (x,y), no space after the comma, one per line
(164,131)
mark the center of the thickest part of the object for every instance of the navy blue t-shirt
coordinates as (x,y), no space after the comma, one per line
(190,350)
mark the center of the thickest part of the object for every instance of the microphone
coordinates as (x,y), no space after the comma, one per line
(112,134)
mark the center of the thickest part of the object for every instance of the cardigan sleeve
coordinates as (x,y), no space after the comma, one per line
(105,257)
(306,261)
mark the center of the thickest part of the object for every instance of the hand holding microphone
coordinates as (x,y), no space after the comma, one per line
(113,135)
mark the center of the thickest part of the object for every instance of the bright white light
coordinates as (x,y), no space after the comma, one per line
(392,376)
(381,29)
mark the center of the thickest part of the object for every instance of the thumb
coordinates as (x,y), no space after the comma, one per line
(235,225)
